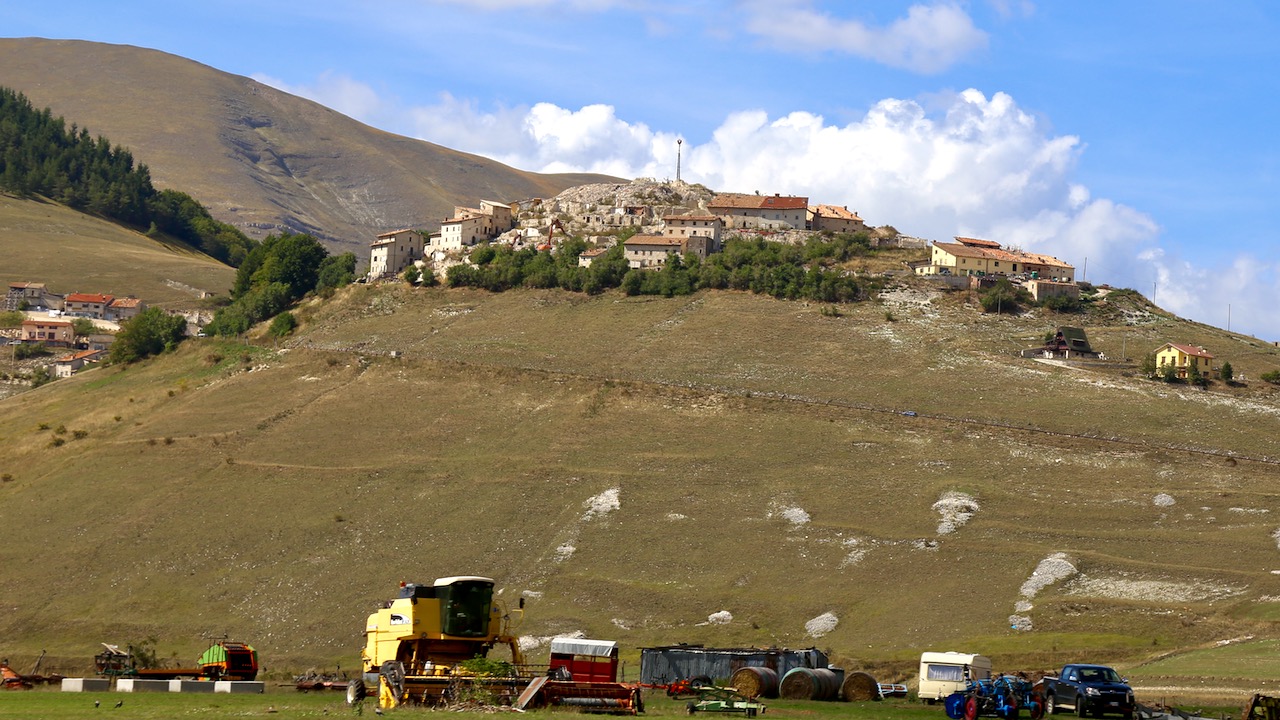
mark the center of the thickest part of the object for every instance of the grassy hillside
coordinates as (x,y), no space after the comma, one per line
(633,465)
(72,252)
(258,158)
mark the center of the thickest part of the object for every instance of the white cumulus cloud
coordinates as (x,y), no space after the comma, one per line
(930,39)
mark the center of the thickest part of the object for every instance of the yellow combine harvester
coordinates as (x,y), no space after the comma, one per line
(414,643)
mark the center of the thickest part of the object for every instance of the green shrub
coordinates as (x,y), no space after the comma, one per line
(1272,377)
(283,324)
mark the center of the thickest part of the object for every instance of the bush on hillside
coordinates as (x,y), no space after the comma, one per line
(83,326)
(1004,298)
(1271,376)
(151,332)
(1062,304)
(280,271)
(283,324)
(1226,372)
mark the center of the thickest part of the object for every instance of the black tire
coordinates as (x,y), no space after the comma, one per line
(1050,705)
(691,708)
(700,681)
(1081,709)
(355,691)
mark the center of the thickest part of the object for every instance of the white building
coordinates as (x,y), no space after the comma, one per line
(394,251)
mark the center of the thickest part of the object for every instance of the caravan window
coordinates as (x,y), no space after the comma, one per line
(945,673)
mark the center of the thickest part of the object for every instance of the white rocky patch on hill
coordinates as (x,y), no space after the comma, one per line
(821,625)
(602,504)
(1151,590)
(723,617)
(1052,569)
(794,514)
(954,509)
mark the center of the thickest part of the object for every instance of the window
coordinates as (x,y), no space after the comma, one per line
(945,673)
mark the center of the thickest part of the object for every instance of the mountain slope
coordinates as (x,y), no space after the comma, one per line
(70,251)
(634,465)
(258,158)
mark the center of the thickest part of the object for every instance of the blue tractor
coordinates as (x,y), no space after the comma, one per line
(1003,696)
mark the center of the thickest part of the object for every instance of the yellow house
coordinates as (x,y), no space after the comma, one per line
(972,256)
(1183,357)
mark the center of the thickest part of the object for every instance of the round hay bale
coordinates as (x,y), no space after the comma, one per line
(755,682)
(809,684)
(860,686)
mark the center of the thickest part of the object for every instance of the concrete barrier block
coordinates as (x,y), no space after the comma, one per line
(191,686)
(86,684)
(140,685)
(239,686)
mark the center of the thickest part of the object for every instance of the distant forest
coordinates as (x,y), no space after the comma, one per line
(40,155)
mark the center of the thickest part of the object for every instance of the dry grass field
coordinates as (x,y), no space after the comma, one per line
(73,252)
(632,466)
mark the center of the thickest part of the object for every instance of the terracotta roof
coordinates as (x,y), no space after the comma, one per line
(89,298)
(652,240)
(999,253)
(594,252)
(1191,350)
(669,218)
(47,323)
(82,355)
(25,285)
(975,242)
(835,211)
(126,303)
(391,233)
(742,201)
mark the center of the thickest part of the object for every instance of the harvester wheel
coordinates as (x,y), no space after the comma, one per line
(355,691)
(971,708)
(691,708)
(700,681)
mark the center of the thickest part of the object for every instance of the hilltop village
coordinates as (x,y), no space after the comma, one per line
(652,221)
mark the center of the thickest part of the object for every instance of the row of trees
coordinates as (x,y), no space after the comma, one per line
(40,155)
(777,269)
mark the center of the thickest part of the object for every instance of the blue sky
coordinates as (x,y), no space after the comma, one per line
(1131,139)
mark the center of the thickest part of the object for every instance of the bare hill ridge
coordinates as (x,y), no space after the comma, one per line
(259,158)
(636,466)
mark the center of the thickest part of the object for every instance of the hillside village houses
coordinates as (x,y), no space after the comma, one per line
(67,365)
(470,226)
(32,295)
(55,333)
(834,219)
(761,212)
(394,251)
(689,219)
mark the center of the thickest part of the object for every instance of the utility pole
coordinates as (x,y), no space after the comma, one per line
(679,146)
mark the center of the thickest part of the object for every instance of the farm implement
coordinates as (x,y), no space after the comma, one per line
(1003,696)
(723,700)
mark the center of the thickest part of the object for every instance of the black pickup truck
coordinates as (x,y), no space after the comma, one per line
(1090,690)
